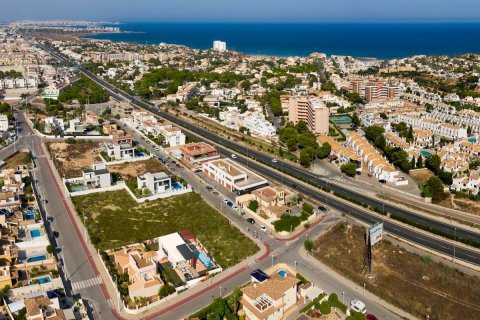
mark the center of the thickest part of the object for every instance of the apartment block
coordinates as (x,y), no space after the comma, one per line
(311,110)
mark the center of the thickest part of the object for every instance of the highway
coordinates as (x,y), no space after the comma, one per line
(407,233)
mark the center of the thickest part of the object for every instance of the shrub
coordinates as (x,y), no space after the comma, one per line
(308,208)
(70,140)
(309,245)
(287,223)
(325,308)
(253,205)
(166,290)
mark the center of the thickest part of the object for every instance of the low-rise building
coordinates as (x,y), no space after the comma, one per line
(196,153)
(155,183)
(3,123)
(269,296)
(232,176)
(98,176)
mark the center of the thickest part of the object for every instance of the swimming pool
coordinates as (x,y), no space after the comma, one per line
(472,140)
(31,208)
(42,280)
(342,120)
(205,259)
(29,215)
(36,259)
(282,273)
(177,186)
(79,188)
(35,233)
(425,153)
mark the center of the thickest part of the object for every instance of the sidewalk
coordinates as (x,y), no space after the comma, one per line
(108,286)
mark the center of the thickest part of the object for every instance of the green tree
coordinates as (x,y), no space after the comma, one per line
(436,187)
(433,163)
(350,169)
(253,205)
(410,137)
(355,120)
(420,162)
(306,156)
(49,249)
(309,245)
(381,142)
(372,132)
(413,163)
(324,150)
(166,290)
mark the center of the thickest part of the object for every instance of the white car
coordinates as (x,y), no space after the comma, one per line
(358,306)
(263,228)
(274,160)
(234,156)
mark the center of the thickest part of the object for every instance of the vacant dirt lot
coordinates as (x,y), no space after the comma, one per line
(421,176)
(70,159)
(133,169)
(413,283)
(20,158)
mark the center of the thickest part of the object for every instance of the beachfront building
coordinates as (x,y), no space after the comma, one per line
(311,110)
(232,176)
(220,46)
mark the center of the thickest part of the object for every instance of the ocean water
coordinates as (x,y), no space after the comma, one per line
(384,40)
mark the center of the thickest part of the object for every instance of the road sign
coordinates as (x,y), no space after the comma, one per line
(376,233)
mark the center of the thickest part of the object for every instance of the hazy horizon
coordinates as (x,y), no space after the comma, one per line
(236,11)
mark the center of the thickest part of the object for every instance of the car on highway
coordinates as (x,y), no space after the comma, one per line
(274,160)
(358,306)
(251,220)
(263,228)
(234,156)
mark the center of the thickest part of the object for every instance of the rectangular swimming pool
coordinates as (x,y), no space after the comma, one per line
(42,280)
(36,259)
(35,233)
(177,186)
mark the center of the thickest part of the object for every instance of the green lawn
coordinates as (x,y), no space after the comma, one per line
(114,219)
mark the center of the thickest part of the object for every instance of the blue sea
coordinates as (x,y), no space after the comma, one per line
(378,40)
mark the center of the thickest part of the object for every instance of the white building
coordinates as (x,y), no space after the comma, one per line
(155,183)
(220,46)
(3,122)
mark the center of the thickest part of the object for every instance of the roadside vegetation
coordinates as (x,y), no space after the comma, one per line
(113,219)
(440,292)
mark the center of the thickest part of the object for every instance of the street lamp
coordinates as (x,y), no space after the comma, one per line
(272,260)
(343,296)
(295,262)
(364,288)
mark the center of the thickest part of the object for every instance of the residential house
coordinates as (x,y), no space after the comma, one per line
(269,297)
(155,183)
(196,153)
(98,176)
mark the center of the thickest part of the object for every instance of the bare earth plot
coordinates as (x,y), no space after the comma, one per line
(413,283)
(114,219)
(20,158)
(70,159)
(134,169)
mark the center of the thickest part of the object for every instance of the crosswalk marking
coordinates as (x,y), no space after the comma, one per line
(87,283)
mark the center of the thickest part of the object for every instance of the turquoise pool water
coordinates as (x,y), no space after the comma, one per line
(282,273)
(342,120)
(79,188)
(35,233)
(472,140)
(42,280)
(425,153)
(205,259)
(177,186)
(36,259)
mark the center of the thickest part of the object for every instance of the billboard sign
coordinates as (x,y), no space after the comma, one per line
(376,233)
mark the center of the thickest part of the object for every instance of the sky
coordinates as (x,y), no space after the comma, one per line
(243,10)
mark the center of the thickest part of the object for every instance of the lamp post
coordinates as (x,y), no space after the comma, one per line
(364,288)
(343,296)
(295,262)
(272,259)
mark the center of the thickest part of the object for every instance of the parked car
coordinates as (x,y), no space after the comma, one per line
(226,200)
(359,173)
(177,165)
(382,181)
(263,228)
(55,234)
(215,193)
(230,204)
(370,175)
(371,317)
(209,188)
(234,207)
(358,306)
(251,220)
